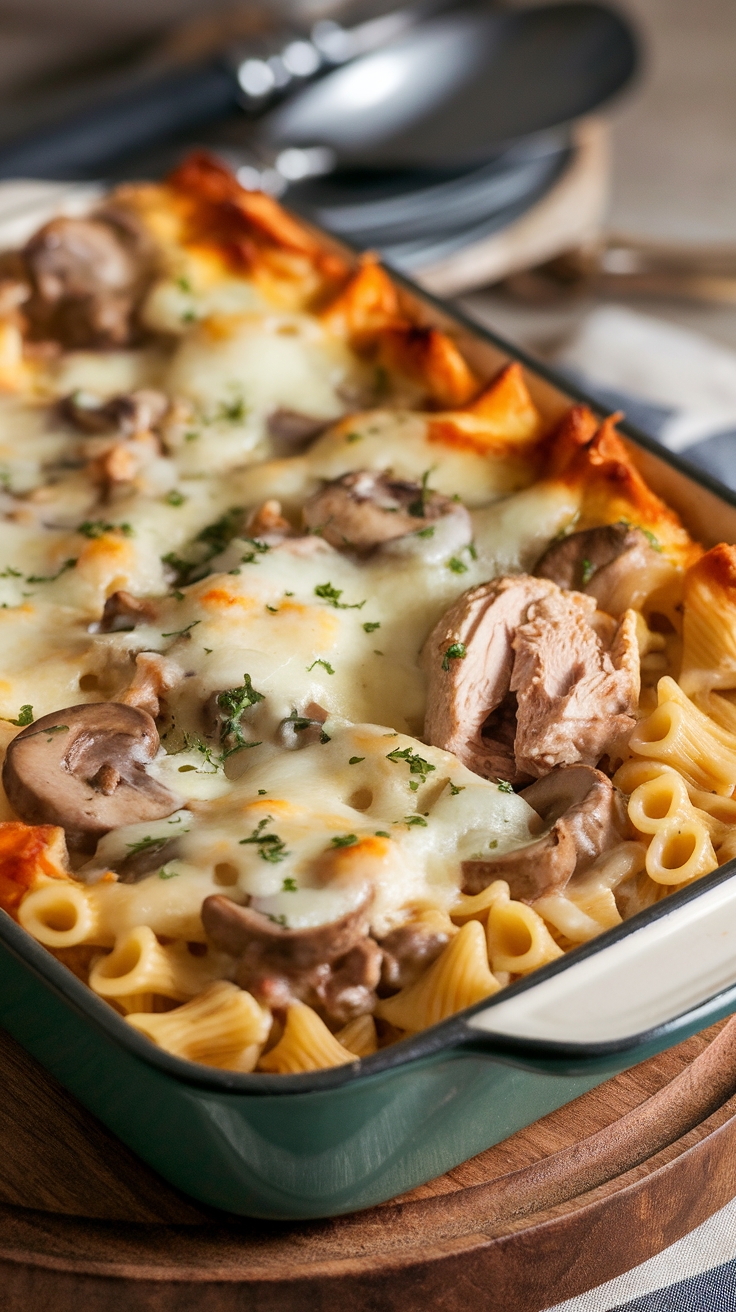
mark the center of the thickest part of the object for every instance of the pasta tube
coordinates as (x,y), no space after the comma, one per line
(659,801)
(680,851)
(139,964)
(709,622)
(518,939)
(61,914)
(223,1026)
(678,734)
(305,1045)
(359,1036)
(459,977)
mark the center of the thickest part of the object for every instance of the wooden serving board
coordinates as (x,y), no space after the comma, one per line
(572,1201)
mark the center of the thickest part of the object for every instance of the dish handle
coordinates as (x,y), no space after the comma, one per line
(647,988)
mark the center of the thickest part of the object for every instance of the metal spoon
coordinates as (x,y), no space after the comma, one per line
(447,93)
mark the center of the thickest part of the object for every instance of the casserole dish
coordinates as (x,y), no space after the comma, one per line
(310,1145)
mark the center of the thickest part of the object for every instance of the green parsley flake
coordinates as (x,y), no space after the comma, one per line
(381,833)
(344,840)
(25,716)
(417,765)
(457,566)
(425,533)
(417,508)
(234,702)
(289,885)
(175,497)
(164,873)
(455,652)
(178,633)
(94,528)
(332,596)
(370,626)
(588,570)
(456,788)
(415,820)
(504,787)
(320,661)
(270,846)
(355,760)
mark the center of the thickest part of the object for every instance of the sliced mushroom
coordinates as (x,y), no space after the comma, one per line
(84,768)
(586,816)
(366,509)
(292,431)
(87,278)
(334,968)
(407,951)
(123,612)
(523,677)
(128,413)
(614,563)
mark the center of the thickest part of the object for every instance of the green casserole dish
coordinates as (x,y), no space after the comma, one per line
(292,1147)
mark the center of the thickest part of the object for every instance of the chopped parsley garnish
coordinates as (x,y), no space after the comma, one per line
(588,570)
(344,840)
(504,786)
(94,528)
(234,701)
(299,722)
(319,661)
(280,920)
(211,541)
(270,846)
(52,728)
(273,609)
(381,833)
(425,532)
(191,436)
(456,788)
(654,543)
(417,765)
(289,885)
(167,874)
(146,844)
(417,508)
(332,597)
(370,626)
(455,652)
(231,412)
(189,317)
(415,820)
(178,633)
(51,578)
(355,760)
(493,842)
(353,437)
(261,792)
(25,716)
(457,566)
(10,573)
(184,284)
(175,497)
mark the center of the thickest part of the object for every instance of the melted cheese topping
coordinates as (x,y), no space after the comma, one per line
(316,632)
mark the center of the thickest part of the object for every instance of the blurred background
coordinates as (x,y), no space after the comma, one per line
(606,246)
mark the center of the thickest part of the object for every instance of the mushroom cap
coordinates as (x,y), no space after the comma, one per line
(84,768)
(366,509)
(615,563)
(586,815)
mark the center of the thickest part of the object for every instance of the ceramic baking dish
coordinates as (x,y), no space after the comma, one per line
(299,1146)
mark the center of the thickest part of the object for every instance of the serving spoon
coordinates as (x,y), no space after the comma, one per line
(447,93)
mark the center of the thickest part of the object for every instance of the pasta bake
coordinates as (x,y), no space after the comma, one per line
(340,686)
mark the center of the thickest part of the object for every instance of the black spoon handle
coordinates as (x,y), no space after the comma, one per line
(150,111)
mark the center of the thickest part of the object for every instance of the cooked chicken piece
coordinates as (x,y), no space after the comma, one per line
(268,524)
(585,816)
(334,968)
(576,679)
(523,677)
(615,563)
(469,659)
(365,509)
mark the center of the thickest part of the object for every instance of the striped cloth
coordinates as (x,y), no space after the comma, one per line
(697,1274)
